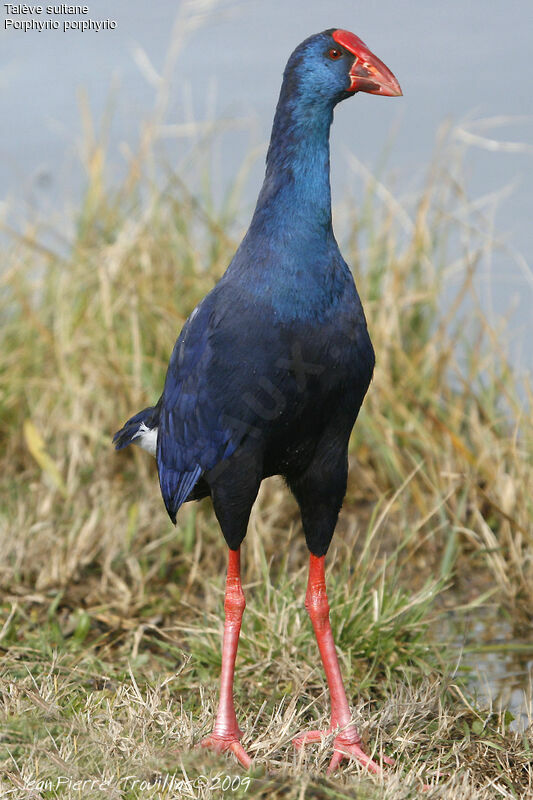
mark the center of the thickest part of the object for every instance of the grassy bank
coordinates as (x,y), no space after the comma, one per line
(112,619)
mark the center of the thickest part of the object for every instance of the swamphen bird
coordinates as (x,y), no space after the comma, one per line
(270,370)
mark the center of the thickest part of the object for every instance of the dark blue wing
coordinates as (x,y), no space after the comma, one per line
(193,434)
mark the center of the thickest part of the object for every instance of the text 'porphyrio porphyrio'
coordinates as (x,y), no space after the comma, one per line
(270,370)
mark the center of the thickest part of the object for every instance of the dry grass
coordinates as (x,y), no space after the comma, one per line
(112,619)
(117,731)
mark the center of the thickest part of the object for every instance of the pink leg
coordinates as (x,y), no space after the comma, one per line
(226,733)
(347,742)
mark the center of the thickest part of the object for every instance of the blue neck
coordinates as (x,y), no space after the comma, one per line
(290,249)
(296,192)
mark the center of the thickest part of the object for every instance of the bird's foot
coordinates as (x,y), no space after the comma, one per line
(346,744)
(228,741)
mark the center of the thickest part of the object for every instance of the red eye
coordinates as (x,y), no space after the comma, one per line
(334,54)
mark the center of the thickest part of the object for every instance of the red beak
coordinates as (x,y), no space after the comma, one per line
(368,73)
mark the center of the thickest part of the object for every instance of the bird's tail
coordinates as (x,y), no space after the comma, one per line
(140,429)
(177,487)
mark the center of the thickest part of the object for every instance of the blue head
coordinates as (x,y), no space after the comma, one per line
(292,224)
(324,69)
(333,65)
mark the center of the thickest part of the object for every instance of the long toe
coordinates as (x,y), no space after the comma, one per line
(341,749)
(220,744)
(349,750)
(240,753)
(308,737)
